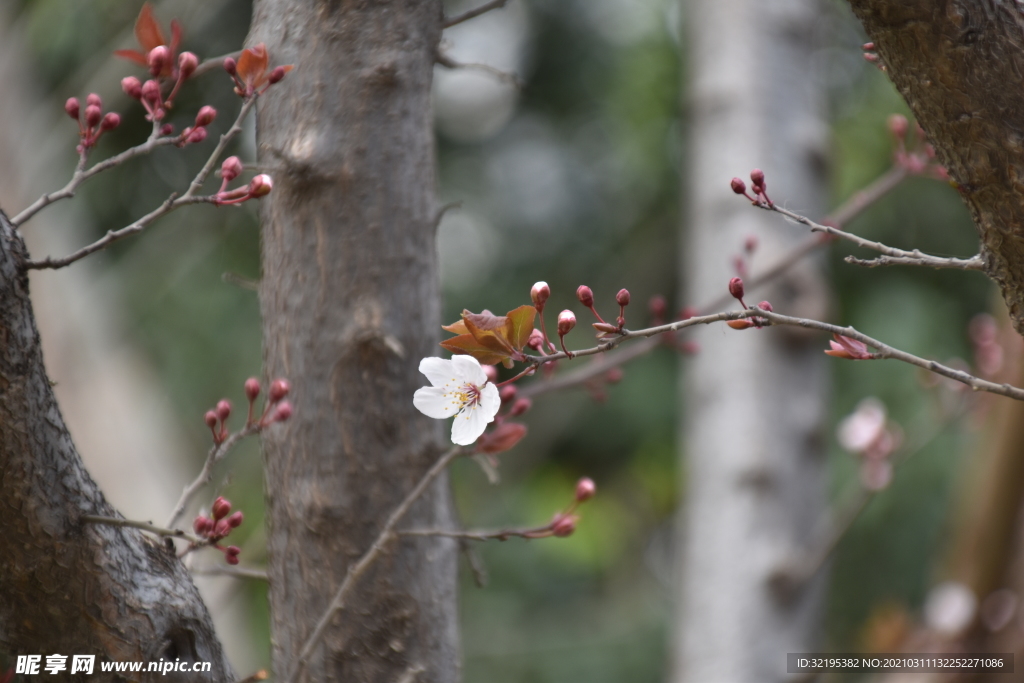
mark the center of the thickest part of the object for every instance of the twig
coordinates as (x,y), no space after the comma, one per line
(475,12)
(213,63)
(914,257)
(498,534)
(356,570)
(145,526)
(973,263)
(862,199)
(216,454)
(170,204)
(476,564)
(235,571)
(506,76)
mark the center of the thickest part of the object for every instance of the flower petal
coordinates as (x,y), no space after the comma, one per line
(490,401)
(434,402)
(439,371)
(468,369)
(469,425)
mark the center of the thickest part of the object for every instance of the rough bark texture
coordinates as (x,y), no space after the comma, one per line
(960,66)
(754,400)
(68,587)
(350,303)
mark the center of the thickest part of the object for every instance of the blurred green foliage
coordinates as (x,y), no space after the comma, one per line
(580,185)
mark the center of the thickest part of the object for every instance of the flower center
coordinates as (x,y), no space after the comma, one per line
(467,396)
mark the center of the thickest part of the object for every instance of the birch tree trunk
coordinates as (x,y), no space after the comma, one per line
(350,301)
(754,400)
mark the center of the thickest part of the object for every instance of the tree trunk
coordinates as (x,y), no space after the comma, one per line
(350,302)
(960,66)
(754,399)
(67,587)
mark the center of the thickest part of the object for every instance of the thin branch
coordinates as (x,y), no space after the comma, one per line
(505,76)
(973,263)
(213,63)
(235,571)
(170,204)
(145,526)
(914,257)
(216,454)
(356,570)
(475,12)
(862,199)
(480,535)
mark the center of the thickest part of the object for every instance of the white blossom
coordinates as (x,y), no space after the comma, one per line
(459,388)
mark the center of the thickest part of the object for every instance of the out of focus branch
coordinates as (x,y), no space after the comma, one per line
(473,13)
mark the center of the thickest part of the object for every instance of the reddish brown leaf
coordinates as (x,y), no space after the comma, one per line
(521,320)
(457,327)
(147,31)
(133,55)
(501,438)
(252,65)
(465,343)
(489,330)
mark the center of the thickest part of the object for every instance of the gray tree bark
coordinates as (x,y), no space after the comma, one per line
(350,301)
(754,400)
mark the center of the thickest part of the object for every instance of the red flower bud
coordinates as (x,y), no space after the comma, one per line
(585,489)
(94,99)
(231,168)
(72,107)
(166,129)
(507,393)
(231,559)
(276,75)
(566,321)
(765,306)
(234,520)
(279,388)
(585,295)
(202,525)
(221,528)
(898,126)
(260,186)
(221,508)
(252,388)
(223,409)
(741,325)
(520,406)
(657,307)
(157,59)
(196,136)
(564,525)
(93,114)
(211,419)
(738,186)
(110,121)
(231,66)
(187,64)
(151,92)
(757,178)
(536,341)
(231,554)
(205,116)
(622,298)
(539,293)
(132,87)
(736,288)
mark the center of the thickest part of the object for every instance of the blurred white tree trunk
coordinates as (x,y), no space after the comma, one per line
(754,400)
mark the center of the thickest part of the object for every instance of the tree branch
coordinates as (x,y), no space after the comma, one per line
(505,76)
(475,12)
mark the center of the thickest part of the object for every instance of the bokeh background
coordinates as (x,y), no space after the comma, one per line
(573,178)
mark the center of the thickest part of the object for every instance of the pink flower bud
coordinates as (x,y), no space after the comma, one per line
(279,388)
(235,519)
(757,178)
(231,168)
(196,136)
(151,92)
(491,372)
(585,295)
(539,293)
(622,298)
(157,59)
(231,559)
(252,388)
(566,321)
(166,129)
(520,406)
(72,107)
(210,418)
(93,114)
(132,87)
(187,64)
(221,529)
(898,126)
(736,288)
(276,75)
(205,116)
(231,554)
(231,66)
(94,99)
(585,489)
(738,186)
(508,393)
(283,412)
(536,341)
(260,186)
(564,525)
(223,409)
(110,121)
(765,306)
(201,525)
(657,307)
(221,508)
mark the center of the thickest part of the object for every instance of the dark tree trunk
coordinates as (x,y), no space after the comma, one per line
(960,66)
(350,303)
(67,587)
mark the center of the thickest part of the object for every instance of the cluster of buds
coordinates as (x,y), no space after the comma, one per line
(231,168)
(250,73)
(757,186)
(736,291)
(564,523)
(150,95)
(871,56)
(197,132)
(869,434)
(919,157)
(275,410)
(92,123)
(160,57)
(214,529)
